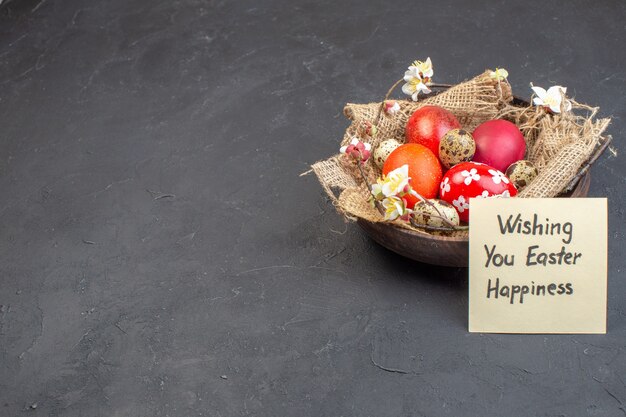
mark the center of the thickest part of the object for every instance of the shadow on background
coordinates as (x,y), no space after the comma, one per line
(452,281)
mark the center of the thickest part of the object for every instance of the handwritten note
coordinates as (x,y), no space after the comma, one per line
(538,265)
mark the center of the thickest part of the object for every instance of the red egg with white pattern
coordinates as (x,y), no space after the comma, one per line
(473,180)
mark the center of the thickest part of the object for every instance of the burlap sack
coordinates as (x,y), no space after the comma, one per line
(558,144)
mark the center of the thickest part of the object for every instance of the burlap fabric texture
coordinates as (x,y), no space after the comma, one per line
(557,144)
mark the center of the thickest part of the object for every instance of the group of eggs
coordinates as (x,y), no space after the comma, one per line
(485,163)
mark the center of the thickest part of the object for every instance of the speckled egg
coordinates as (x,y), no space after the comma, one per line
(383,150)
(424,213)
(521,173)
(455,147)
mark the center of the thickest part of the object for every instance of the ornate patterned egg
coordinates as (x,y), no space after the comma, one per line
(455,147)
(521,173)
(473,180)
(430,214)
(383,150)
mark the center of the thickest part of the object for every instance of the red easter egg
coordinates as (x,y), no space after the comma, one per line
(424,169)
(499,143)
(473,180)
(428,124)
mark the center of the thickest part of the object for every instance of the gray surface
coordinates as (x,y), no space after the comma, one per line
(240,291)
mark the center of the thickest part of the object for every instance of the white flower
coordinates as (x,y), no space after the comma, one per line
(484,194)
(499,74)
(392,107)
(395,207)
(461,204)
(505,194)
(414,87)
(444,186)
(498,177)
(470,176)
(424,69)
(377,190)
(396,181)
(552,99)
(417,78)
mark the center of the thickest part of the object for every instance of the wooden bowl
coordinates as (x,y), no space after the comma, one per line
(437,250)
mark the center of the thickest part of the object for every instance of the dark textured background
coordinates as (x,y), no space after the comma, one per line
(232,287)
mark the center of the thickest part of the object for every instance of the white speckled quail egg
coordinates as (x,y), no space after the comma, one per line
(521,173)
(383,150)
(456,146)
(424,213)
